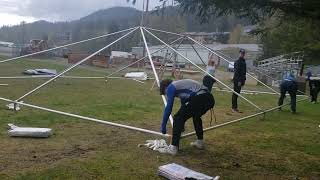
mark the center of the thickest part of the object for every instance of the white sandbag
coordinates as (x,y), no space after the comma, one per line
(137,75)
(40,72)
(176,172)
(16,131)
(11,106)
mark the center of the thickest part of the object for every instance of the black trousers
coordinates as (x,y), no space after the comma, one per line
(314,89)
(237,89)
(195,108)
(291,87)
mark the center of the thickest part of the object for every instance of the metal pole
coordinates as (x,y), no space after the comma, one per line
(163,64)
(212,52)
(167,32)
(73,66)
(238,120)
(198,55)
(67,77)
(87,118)
(141,59)
(154,71)
(230,63)
(67,45)
(250,91)
(204,70)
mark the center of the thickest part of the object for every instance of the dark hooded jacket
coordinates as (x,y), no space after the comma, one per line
(240,70)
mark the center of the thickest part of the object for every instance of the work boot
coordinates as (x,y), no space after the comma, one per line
(173,150)
(235,110)
(198,144)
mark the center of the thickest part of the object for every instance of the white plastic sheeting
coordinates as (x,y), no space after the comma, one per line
(176,172)
(16,131)
(143,76)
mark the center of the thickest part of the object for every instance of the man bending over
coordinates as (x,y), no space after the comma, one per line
(195,99)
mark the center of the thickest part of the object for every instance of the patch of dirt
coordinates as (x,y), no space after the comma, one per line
(21,159)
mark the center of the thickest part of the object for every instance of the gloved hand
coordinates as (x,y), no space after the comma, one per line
(239,83)
(163,130)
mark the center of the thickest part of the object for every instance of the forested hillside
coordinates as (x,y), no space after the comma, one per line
(111,20)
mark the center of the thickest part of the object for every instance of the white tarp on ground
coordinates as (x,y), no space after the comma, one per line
(40,72)
(16,131)
(176,172)
(137,75)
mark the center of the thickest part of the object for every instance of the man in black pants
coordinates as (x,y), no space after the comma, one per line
(314,85)
(195,99)
(239,78)
(289,85)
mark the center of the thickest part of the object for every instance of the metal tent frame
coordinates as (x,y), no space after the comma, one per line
(129,31)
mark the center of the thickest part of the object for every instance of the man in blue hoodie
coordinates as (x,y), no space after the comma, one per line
(195,99)
(289,84)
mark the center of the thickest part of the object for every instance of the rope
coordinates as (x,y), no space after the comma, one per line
(214,115)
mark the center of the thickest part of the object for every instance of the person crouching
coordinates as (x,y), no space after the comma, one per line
(195,99)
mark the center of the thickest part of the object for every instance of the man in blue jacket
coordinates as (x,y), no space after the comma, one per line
(195,99)
(289,84)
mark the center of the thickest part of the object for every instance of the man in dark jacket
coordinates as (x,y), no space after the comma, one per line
(314,84)
(239,78)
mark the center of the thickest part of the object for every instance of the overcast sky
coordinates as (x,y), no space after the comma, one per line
(14,11)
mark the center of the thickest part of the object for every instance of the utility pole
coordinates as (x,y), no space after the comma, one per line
(147,13)
(23,32)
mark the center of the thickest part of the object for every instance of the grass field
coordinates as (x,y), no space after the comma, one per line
(282,146)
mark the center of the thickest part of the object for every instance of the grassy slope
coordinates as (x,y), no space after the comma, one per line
(281,146)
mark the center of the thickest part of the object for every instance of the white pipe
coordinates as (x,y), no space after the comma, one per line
(167,32)
(249,91)
(154,71)
(4,84)
(230,63)
(213,53)
(67,45)
(204,70)
(67,77)
(138,81)
(238,120)
(252,92)
(141,59)
(163,64)
(50,76)
(82,77)
(75,65)
(86,118)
